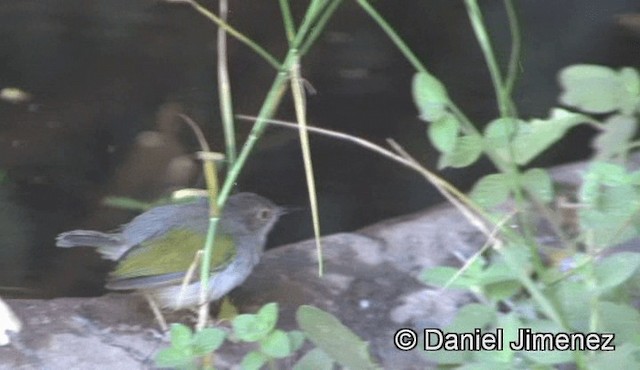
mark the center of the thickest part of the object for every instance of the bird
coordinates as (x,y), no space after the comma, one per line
(154,251)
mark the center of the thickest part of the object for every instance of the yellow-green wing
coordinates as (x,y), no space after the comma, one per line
(171,253)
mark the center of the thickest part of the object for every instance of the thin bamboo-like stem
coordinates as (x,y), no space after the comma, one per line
(297,90)
(232,31)
(224,88)
(287,19)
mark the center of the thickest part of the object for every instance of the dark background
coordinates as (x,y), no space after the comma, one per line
(107,78)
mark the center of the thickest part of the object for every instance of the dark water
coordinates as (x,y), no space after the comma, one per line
(108,77)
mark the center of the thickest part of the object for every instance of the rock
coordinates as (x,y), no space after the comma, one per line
(369,282)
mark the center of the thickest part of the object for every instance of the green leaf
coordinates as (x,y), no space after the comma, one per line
(468,318)
(276,344)
(616,269)
(466,151)
(502,290)
(621,319)
(485,365)
(611,205)
(471,316)
(174,357)
(296,339)
(251,328)
(546,357)
(180,336)
(268,315)
(430,96)
(617,131)
(573,298)
(253,360)
(248,328)
(626,356)
(537,135)
(509,323)
(208,340)
(330,335)
(443,133)
(315,359)
(491,190)
(538,183)
(441,275)
(499,134)
(599,89)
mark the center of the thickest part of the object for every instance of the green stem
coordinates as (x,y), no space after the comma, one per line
(320,25)
(546,306)
(507,110)
(224,89)
(297,90)
(287,18)
(272,100)
(475,16)
(233,32)
(516,48)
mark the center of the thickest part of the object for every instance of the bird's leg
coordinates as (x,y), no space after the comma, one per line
(156,312)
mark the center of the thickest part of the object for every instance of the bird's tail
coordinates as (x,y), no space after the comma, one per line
(111,246)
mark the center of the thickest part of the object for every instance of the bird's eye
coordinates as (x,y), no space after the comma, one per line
(264,214)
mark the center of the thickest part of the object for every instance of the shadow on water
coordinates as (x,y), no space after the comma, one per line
(108,77)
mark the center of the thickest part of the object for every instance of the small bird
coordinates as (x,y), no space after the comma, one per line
(155,250)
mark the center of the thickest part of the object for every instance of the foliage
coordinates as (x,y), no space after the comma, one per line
(518,283)
(335,343)
(588,290)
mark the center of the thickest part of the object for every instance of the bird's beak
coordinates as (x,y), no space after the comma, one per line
(286,210)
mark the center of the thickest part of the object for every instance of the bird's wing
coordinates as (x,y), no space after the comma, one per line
(164,261)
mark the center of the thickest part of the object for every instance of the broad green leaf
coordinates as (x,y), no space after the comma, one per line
(491,190)
(466,151)
(471,316)
(175,357)
(538,182)
(617,131)
(268,315)
(599,174)
(626,356)
(253,360)
(443,133)
(430,97)
(616,269)
(441,275)
(251,328)
(296,338)
(499,134)
(599,89)
(335,339)
(485,365)
(276,344)
(537,135)
(468,318)
(573,298)
(509,323)
(502,290)
(621,319)
(546,357)
(315,359)
(180,335)
(207,340)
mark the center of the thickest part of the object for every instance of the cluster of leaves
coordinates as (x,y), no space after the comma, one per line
(592,288)
(334,342)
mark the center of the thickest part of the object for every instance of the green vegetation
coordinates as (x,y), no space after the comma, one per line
(518,281)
